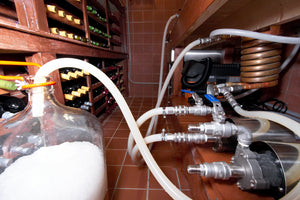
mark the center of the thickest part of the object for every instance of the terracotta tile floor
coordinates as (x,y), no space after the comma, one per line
(125,179)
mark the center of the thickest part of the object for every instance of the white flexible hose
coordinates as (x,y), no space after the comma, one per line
(163,51)
(290,58)
(142,119)
(256,35)
(272,116)
(49,67)
(168,78)
(148,140)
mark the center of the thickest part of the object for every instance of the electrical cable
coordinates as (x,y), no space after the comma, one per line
(256,35)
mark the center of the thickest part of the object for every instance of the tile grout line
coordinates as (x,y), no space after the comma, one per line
(121,168)
(108,143)
(116,128)
(148,183)
(116,184)
(172,149)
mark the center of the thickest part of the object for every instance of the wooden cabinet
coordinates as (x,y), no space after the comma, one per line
(43,30)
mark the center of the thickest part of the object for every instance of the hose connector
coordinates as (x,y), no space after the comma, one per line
(184,110)
(214,128)
(217,170)
(187,138)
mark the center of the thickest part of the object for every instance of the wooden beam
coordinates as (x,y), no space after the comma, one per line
(32,13)
(193,15)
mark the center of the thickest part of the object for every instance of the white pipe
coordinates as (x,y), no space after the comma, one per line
(290,58)
(256,35)
(49,67)
(168,78)
(163,51)
(147,115)
(148,140)
(272,116)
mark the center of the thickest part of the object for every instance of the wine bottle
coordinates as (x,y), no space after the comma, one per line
(70,35)
(91,28)
(63,33)
(52,8)
(69,97)
(77,37)
(85,88)
(61,13)
(54,30)
(69,17)
(77,21)
(65,76)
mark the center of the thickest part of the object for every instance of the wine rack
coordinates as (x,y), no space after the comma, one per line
(100,96)
(91,30)
(86,21)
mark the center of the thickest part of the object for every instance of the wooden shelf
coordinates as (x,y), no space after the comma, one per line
(28,35)
(103,24)
(97,98)
(101,108)
(64,20)
(199,18)
(31,42)
(96,85)
(76,4)
(115,31)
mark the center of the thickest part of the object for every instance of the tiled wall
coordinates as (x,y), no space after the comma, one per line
(147,22)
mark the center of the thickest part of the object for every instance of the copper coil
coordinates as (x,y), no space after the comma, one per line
(265,54)
(261,73)
(253,42)
(261,48)
(260,61)
(259,79)
(259,67)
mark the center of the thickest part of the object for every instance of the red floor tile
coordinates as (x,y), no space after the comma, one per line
(125,179)
(118,143)
(112,175)
(114,156)
(164,158)
(133,177)
(169,172)
(184,184)
(127,194)
(158,194)
(122,133)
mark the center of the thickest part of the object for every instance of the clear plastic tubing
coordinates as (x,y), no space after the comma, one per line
(148,140)
(163,51)
(280,119)
(168,78)
(147,115)
(256,35)
(49,67)
(162,61)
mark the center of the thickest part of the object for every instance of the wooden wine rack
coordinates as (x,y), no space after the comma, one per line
(26,36)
